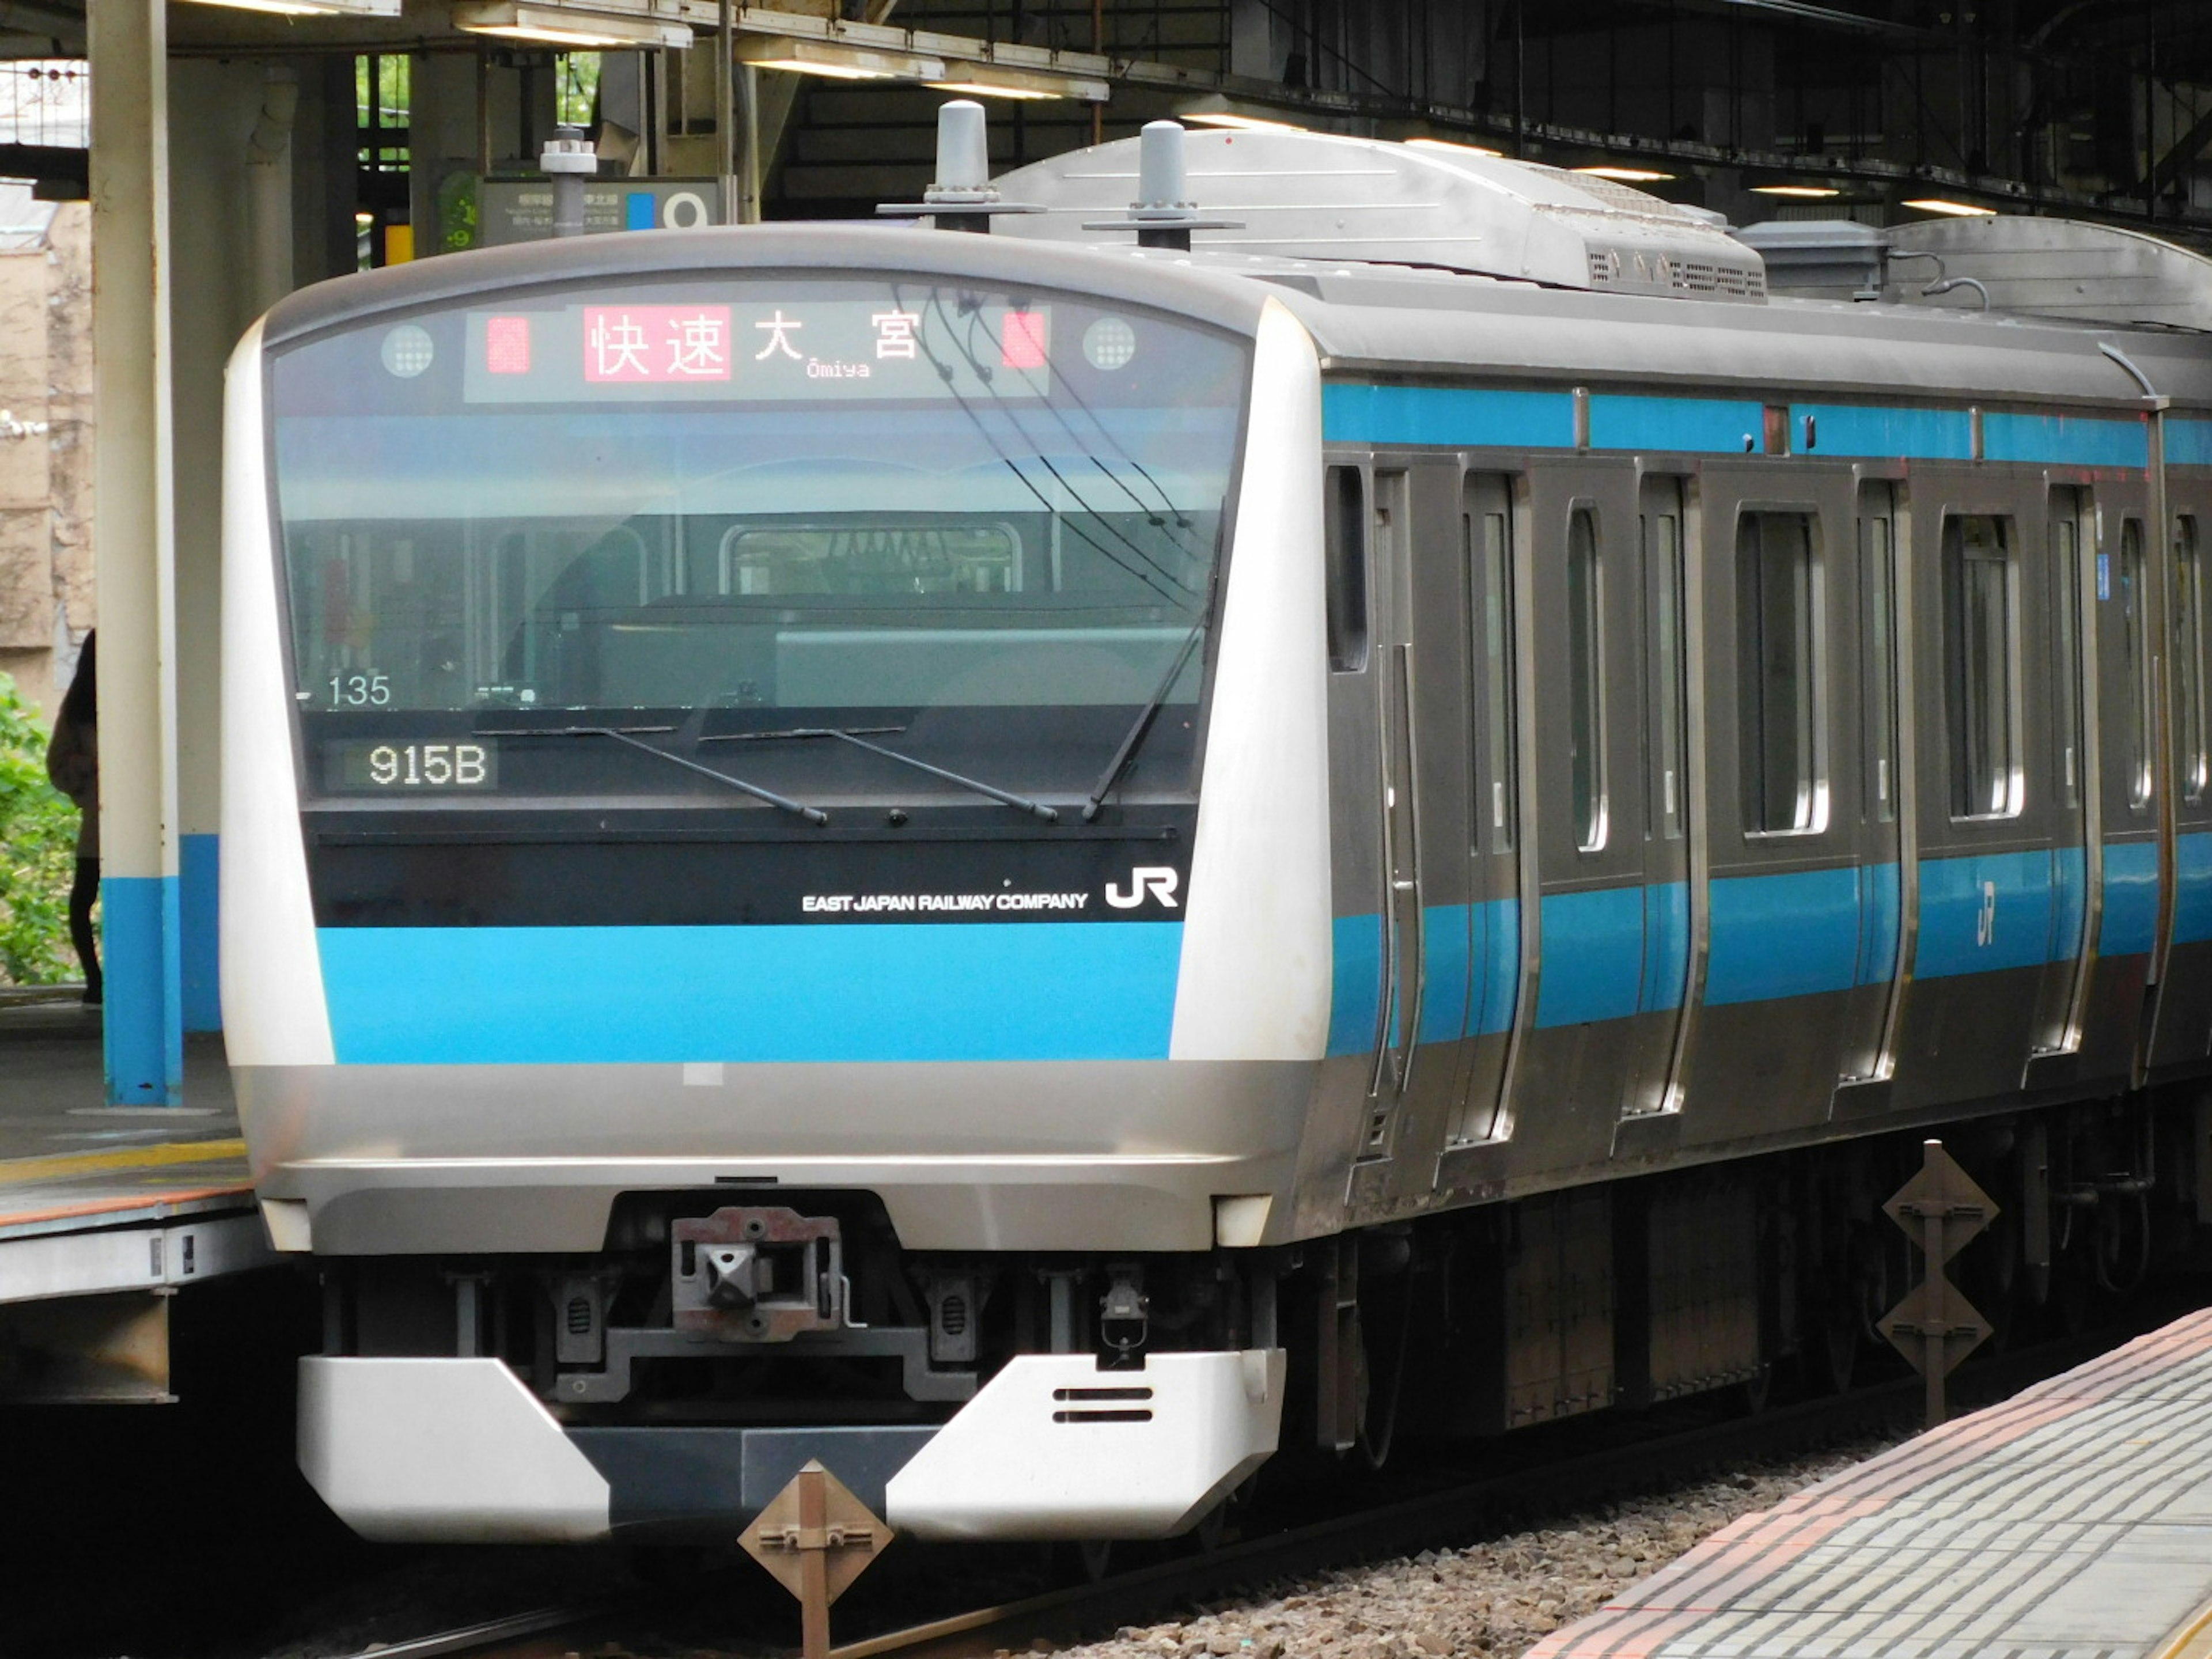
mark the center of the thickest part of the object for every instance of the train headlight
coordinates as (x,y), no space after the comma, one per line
(407,350)
(1109,343)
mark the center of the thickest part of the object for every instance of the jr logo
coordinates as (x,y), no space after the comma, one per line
(1145,881)
(1985,923)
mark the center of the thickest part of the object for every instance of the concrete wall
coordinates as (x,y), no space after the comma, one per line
(46,476)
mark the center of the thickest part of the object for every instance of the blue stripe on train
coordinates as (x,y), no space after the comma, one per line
(2192,917)
(2072,440)
(1878,935)
(1471,963)
(868,991)
(2187,443)
(2131,926)
(1985,912)
(1935,435)
(1488,417)
(1721,426)
(1446,416)
(1593,956)
(1615,951)
(1793,935)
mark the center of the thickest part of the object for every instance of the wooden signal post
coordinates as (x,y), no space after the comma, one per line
(816,1538)
(1934,1326)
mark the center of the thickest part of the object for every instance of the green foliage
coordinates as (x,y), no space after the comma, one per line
(38,854)
(576,87)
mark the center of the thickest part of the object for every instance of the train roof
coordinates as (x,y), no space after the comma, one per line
(1379,320)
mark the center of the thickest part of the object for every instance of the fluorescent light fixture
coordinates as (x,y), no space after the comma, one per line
(1956,209)
(1213,109)
(555,25)
(978,89)
(1803,192)
(313,7)
(1446,145)
(1626,175)
(837,62)
(1222,118)
(994,81)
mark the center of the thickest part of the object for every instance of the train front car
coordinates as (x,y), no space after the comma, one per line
(775,882)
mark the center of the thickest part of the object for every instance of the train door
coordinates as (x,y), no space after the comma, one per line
(1667,796)
(1866,1056)
(1989,828)
(1432,567)
(2185,997)
(2057,1009)
(1399,898)
(1486,587)
(2125,778)
(1576,1014)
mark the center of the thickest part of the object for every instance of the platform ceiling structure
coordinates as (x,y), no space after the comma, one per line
(238,152)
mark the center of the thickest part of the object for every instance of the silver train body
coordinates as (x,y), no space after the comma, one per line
(1598,773)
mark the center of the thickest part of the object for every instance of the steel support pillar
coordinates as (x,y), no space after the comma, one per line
(134,550)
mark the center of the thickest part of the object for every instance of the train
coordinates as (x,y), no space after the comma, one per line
(1350,793)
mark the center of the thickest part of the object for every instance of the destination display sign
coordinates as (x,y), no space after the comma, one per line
(801,351)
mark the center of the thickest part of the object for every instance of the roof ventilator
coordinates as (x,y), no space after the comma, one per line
(1163,215)
(962,197)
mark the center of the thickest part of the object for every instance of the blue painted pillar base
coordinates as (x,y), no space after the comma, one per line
(142,1030)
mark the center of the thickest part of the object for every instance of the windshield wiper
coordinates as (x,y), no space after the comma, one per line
(851,735)
(623,734)
(1143,724)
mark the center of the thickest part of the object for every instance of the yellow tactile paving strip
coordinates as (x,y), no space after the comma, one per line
(36,1192)
(55,1166)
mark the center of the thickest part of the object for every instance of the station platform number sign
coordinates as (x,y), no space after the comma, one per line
(521,210)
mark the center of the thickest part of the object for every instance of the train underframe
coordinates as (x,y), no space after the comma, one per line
(666,1387)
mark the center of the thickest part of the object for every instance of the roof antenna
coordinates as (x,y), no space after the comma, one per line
(1164,216)
(962,197)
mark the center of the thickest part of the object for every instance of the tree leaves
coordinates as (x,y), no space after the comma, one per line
(38,853)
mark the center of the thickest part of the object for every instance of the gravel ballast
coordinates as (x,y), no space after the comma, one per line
(1493,1600)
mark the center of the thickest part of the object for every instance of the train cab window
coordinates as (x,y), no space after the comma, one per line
(1585,682)
(1779,660)
(1977,632)
(1878,628)
(2134,632)
(2188,657)
(1346,530)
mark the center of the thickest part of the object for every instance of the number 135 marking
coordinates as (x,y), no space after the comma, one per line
(360,690)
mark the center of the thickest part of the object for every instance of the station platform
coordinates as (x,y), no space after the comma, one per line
(2072,1522)
(105,1212)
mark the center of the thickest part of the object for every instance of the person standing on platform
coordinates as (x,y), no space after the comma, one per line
(73,764)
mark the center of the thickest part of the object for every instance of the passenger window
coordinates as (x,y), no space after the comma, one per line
(2133,629)
(2066,615)
(1978,639)
(1877,589)
(2189,656)
(1346,543)
(1663,563)
(1585,682)
(1488,546)
(1777,595)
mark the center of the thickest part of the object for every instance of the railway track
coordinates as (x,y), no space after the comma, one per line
(1447,1508)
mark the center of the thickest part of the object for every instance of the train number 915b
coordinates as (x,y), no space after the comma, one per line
(373,764)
